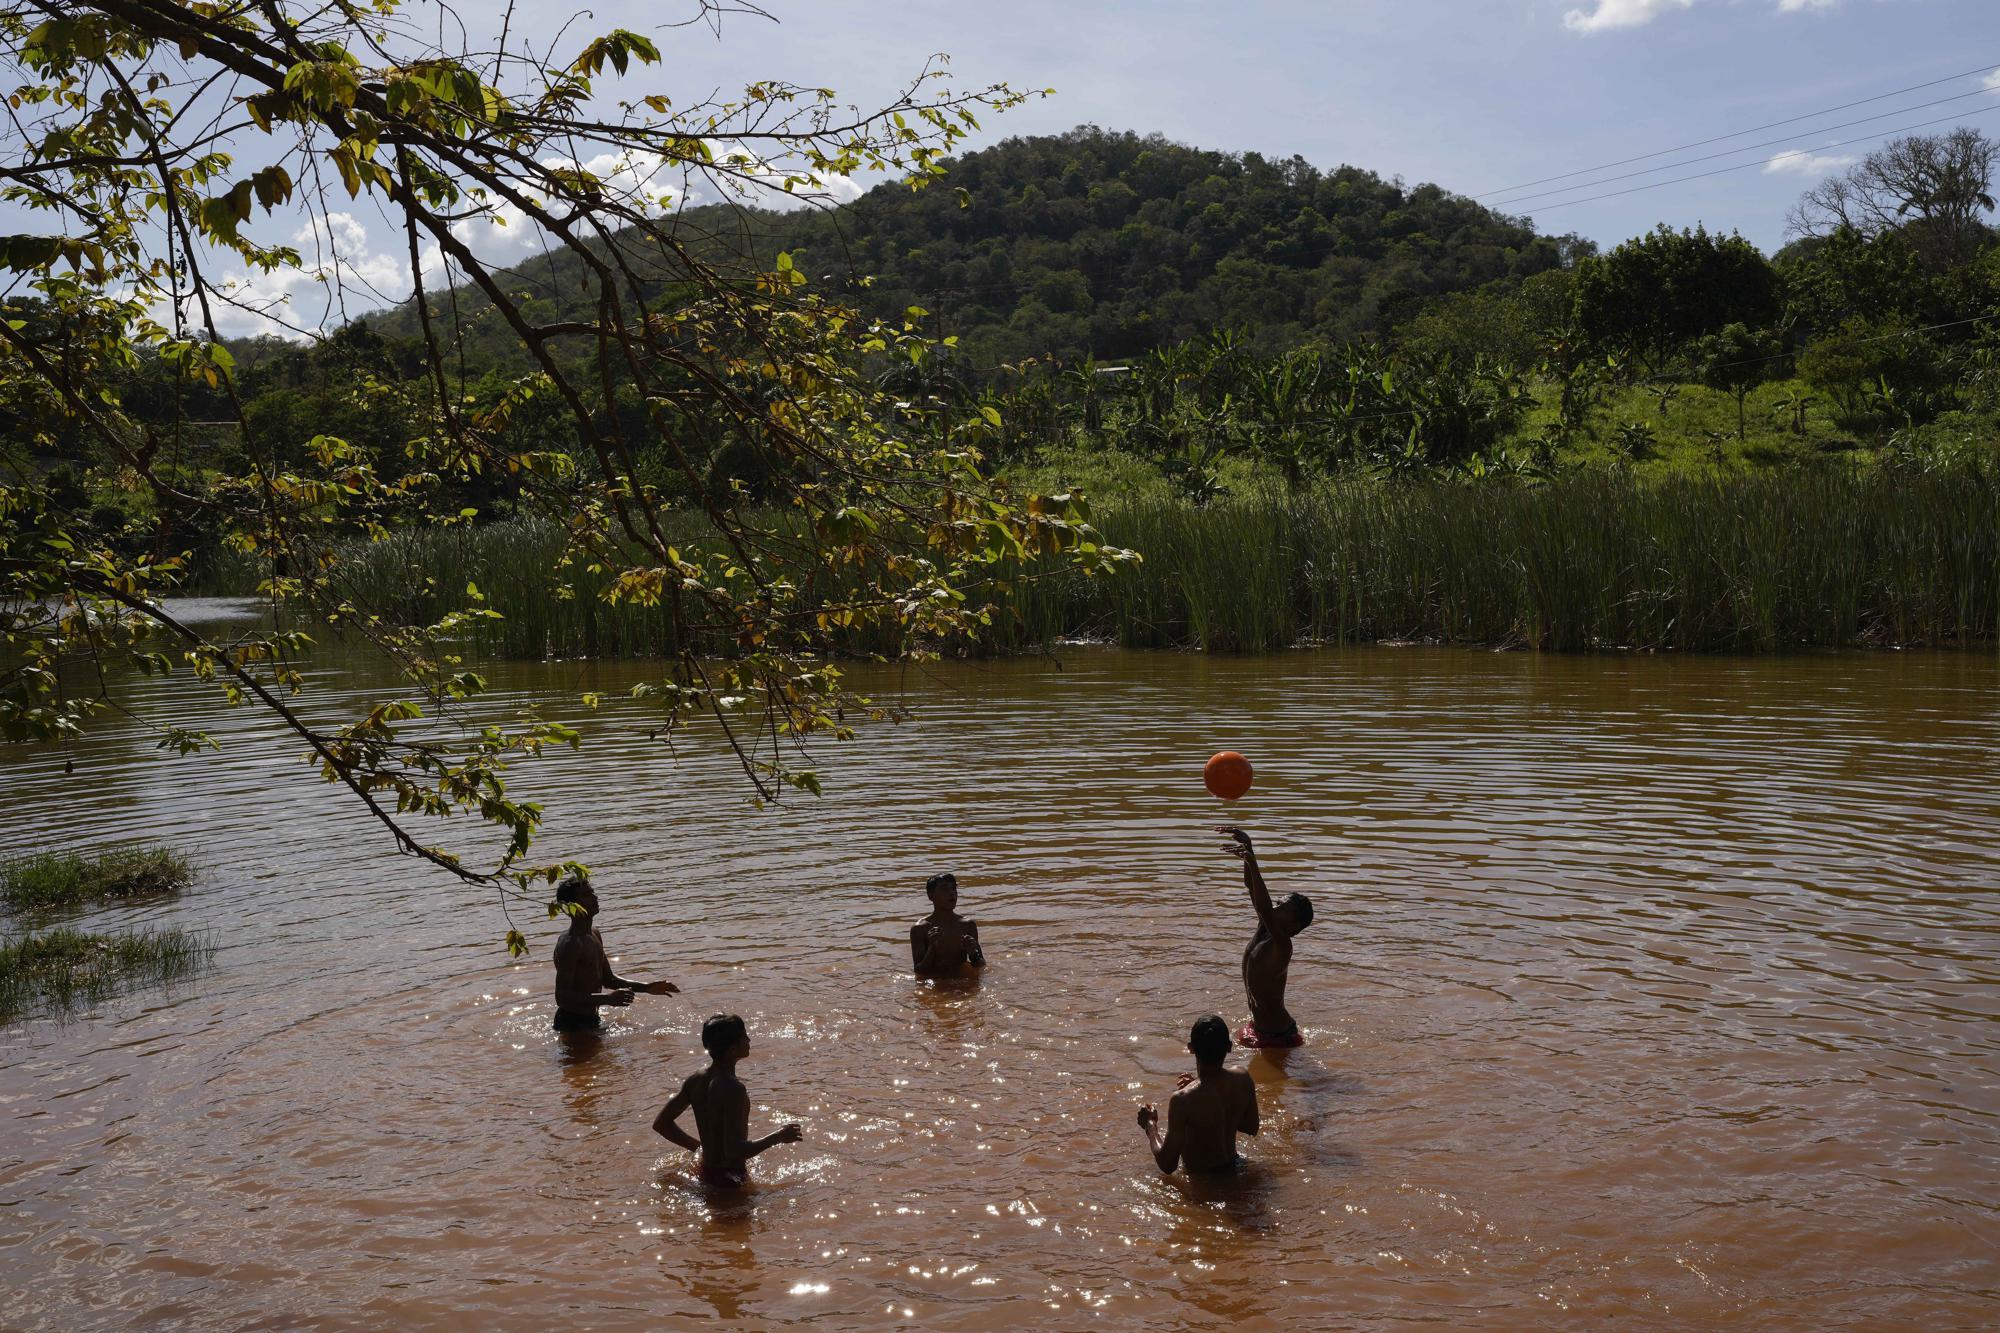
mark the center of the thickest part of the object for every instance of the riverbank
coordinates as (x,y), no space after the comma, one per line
(1594,560)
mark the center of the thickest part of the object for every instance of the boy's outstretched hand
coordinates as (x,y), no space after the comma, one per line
(790,1134)
(1149,1116)
(1241,847)
(661,988)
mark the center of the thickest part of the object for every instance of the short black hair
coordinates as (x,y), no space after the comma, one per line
(570,889)
(1302,907)
(721,1032)
(936,882)
(1209,1040)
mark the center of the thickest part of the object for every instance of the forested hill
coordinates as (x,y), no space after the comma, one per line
(1114,243)
(1110,243)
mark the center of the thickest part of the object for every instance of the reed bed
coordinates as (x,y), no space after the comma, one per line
(63,970)
(53,881)
(1595,560)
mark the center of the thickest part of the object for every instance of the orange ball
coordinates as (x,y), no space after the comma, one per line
(1227,775)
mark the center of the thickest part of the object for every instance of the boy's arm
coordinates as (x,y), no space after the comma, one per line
(1166,1148)
(1253,878)
(649,987)
(973,953)
(1249,1124)
(664,1126)
(921,937)
(738,1118)
(782,1134)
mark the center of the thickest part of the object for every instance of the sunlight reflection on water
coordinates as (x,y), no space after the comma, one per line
(1652,990)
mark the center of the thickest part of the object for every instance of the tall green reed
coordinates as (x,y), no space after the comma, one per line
(1753,562)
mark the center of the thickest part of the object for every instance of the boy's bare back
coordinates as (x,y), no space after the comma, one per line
(1204,1118)
(721,1106)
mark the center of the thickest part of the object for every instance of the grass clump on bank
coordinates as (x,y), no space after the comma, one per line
(62,970)
(57,880)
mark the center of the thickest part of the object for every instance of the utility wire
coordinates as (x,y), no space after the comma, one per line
(1740,166)
(1754,129)
(1750,147)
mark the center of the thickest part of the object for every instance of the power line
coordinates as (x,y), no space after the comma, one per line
(1740,166)
(1749,147)
(1754,129)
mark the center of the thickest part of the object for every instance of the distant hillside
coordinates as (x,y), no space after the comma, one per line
(1111,243)
(1114,243)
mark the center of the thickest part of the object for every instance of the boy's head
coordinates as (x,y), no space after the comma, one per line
(576,889)
(725,1036)
(1209,1040)
(1295,913)
(942,890)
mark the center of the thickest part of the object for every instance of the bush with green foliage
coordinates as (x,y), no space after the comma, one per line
(1655,294)
(1736,360)
(1873,371)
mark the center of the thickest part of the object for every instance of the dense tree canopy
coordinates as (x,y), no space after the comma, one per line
(1112,244)
(1657,293)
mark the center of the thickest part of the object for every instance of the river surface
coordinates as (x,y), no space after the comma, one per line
(1643,992)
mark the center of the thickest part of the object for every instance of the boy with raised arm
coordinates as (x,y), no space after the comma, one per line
(1267,960)
(584,979)
(721,1107)
(1203,1120)
(944,943)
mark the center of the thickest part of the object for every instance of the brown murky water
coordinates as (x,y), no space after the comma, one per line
(1648,993)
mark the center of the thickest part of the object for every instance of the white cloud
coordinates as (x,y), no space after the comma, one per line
(336,268)
(1805,162)
(341,274)
(1609,15)
(1993,82)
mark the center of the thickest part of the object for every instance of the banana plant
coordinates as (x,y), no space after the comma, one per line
(1794,406)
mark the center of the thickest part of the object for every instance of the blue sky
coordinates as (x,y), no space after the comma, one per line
(1473,94)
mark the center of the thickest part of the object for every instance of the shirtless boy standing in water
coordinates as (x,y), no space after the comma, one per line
(584,979)
(1267,960)
(1203,1120)
(721,1109)
(944,943)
